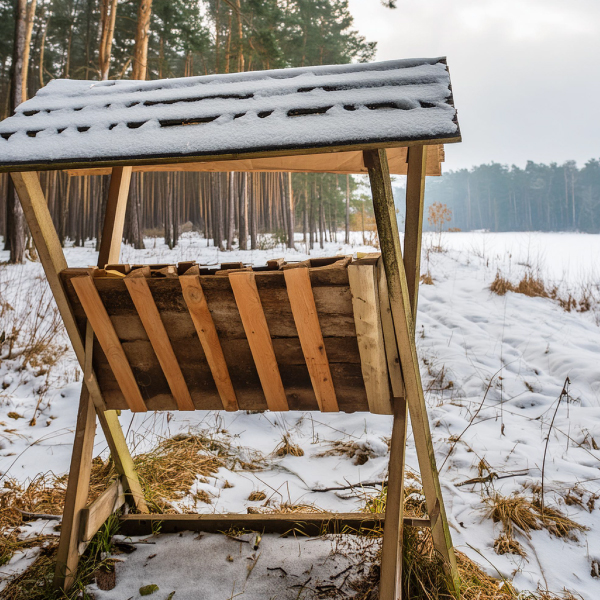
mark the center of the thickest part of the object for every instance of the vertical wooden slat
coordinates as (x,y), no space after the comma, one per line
(157,334)
(306,318)
(114,216)
(369,335)
(103,328)
(209,339)
(389,237)
(243,284)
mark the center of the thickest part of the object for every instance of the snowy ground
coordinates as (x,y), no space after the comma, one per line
(469,340)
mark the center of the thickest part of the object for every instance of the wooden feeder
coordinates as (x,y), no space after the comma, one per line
(325,334)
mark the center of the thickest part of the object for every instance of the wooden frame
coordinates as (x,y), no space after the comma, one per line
(392,302)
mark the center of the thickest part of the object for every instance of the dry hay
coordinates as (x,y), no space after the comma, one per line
(359,452)
(529,515)
(257,496)
(287,447)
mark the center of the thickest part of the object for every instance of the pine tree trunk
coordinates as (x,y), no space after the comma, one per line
(26,47)
(347,236)
(15,222)
(140,55)
(243,211)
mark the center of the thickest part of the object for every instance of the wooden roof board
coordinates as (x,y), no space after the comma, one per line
(350,163)
(75,124)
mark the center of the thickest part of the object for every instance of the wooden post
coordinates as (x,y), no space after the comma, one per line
(400,302)
(53,260)
(413,224)
(77,493)
(114,217)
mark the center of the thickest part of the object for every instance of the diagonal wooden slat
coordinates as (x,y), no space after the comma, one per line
(140,293)
(103,328)
(243,284)
(306,318)
(207,334)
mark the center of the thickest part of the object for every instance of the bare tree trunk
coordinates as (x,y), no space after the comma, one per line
(289,208)
(140,55)
(15,222)
(42,48)
(240,38)
(108,17)
(231,225)
(252,214)
(26,47)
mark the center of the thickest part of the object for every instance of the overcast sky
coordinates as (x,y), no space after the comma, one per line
(525,73)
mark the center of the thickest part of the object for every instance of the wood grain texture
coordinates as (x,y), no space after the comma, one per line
(243,284)
(209,338)
(78,486)
(389,335)
(114,216)
(391,253)
(413,227)
(157,334)
(306,318)
(104,330)
(370,337)
(95,514)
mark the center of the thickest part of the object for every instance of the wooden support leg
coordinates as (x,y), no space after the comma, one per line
(387,227)
(77,492)
(53,260)
(390,586)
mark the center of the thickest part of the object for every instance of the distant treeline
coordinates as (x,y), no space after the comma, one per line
(537,198)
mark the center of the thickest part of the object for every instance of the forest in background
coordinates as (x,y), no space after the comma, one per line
(148,39)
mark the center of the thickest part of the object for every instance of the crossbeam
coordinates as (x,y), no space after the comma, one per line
(310,524)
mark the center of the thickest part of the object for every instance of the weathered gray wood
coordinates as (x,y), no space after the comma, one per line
(387,227)
(313,524)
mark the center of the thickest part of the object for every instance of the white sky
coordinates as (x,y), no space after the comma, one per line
(525,73)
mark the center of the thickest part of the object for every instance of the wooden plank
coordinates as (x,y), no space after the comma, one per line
(369,334)
(390,586)
(306,318)
(413,227)
(114,216)
(389,335)
(104,330)
(389,238)
(157,334)
(243,284)
(209,339)
(78,486)
(95,514)
(313,524)
(170,160)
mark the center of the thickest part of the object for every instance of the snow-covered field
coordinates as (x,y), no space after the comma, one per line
(493,368)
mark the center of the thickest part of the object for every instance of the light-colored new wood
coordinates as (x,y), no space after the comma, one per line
(109,341)
(369,335)
(77,491)
(389,335)
(209,339)
(338,162)
(95,514)
(114,216)
(243,284)
(389,238)
(302,301)
(413,228)
(141,295)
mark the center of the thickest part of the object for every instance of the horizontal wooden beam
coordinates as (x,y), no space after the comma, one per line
(95,514)
(312,524)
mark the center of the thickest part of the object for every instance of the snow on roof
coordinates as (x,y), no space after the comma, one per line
(79,122)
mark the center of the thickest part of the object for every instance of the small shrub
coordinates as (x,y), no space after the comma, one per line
(286,447)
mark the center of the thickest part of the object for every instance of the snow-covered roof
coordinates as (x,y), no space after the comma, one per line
(256,113)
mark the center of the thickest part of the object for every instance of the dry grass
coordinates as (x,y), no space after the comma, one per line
(257,496)
(517,512)
(427,279)
(534,286)
(357,451)
(286,446)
